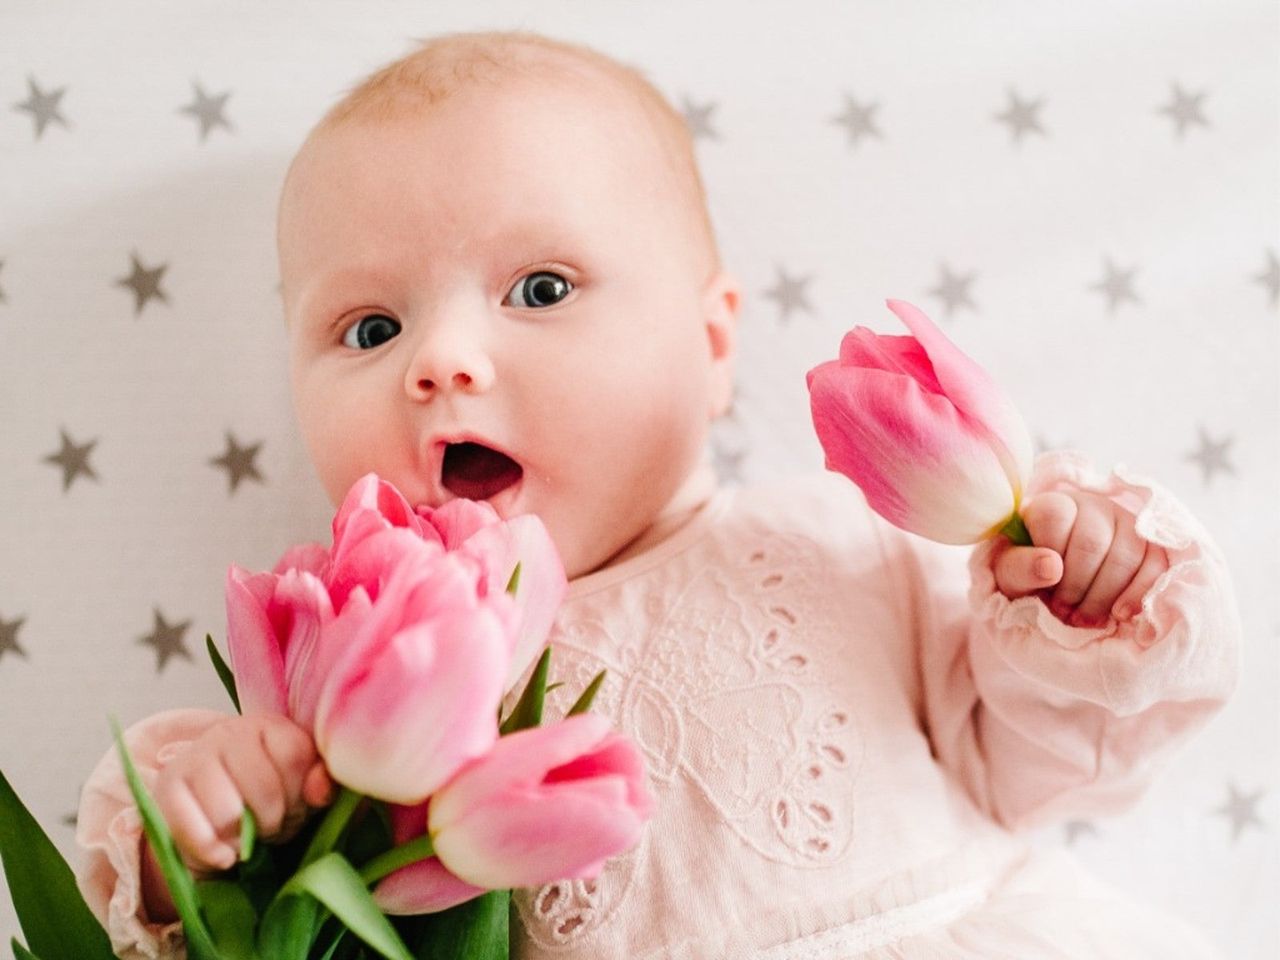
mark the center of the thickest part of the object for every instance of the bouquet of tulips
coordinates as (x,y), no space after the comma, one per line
(394,648)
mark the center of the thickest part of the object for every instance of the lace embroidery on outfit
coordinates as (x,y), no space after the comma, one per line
(729,653)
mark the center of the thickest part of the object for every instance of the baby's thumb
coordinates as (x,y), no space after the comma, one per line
(317,786)
(1021,571)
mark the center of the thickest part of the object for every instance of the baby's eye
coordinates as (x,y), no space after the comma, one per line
(369,332)
(541,289)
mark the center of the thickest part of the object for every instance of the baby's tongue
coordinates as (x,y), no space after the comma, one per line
(476,472)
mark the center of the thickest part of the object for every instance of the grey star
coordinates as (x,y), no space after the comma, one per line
(42,106)
(74,460)
(728,462)
(1185,109)
(1269,278)
(1117,285)
(1240,809)
(1212,455)
(1021,117)
(1075,828)
(144,283)
(954,289)
(238,462)
(857,119)
(207,109)
(698,119)
(9,637)
(789,292)
(167,640)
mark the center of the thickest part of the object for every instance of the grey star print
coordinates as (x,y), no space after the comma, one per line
(9,637)
(1021,117)
(238,462)
(1117,285)
(789,293)
(1185,109)
(1241,810)
(1212,456)
(1077,828)
(73,458)
(145,284)
(207,109)
(953,288)
(698,118)
(1269,277)
(42,106)
(166,638)
(858,120)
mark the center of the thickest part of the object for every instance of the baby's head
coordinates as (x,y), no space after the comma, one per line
(500,282)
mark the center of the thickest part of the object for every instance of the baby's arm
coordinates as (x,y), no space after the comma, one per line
(1041,719)
(199,765)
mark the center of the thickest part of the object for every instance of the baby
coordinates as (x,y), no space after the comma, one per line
(500,282)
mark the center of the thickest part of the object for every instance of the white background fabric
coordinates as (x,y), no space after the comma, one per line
(1170,366)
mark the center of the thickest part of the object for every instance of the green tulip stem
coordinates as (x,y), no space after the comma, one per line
(1016,531)
(332,826)
(419,848)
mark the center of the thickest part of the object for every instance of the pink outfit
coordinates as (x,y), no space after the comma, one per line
(841,739)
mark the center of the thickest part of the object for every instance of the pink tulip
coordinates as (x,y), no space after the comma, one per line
(423,887)
(395,646)
(413,695)
(936,447)
(546,803)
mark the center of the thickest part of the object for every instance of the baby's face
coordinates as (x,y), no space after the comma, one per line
(493,300)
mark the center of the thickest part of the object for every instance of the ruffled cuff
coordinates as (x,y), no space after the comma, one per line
(1182,645)
(109,832)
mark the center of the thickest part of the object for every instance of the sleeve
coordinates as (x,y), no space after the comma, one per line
(109,834)
(1041,721)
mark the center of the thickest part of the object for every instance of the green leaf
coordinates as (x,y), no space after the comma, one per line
(224,672)
(248,833)
(54,917)
(583,703)
(231,918)
(286,929)
(528,711)
(20,952)
(181,885)
(335,883)
(514,583)
(475,930)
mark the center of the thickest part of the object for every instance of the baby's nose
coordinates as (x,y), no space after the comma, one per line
(449,364)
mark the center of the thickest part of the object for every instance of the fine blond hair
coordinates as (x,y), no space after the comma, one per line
(450,62)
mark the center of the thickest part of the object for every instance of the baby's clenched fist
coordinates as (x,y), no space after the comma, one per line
(266,763)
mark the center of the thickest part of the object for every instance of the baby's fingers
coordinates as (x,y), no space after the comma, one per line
(198,811)
(1153,566)
(1020,571)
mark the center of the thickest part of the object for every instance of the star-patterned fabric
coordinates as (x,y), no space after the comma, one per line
(1083,196)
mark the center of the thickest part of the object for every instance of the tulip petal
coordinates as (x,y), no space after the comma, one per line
(252,644)
(521,757)
(312,557)
(544,804)
(499,548)
(423,887)
(863,348)
(458,519)
(414,694)
(373,495)
(919,461)
(976,394)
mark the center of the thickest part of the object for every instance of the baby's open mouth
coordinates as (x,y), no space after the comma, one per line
(476,472)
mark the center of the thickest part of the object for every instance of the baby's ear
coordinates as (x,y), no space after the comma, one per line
(720,302)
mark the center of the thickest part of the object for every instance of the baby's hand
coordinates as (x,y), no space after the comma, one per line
(266,763)
(1089,548)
